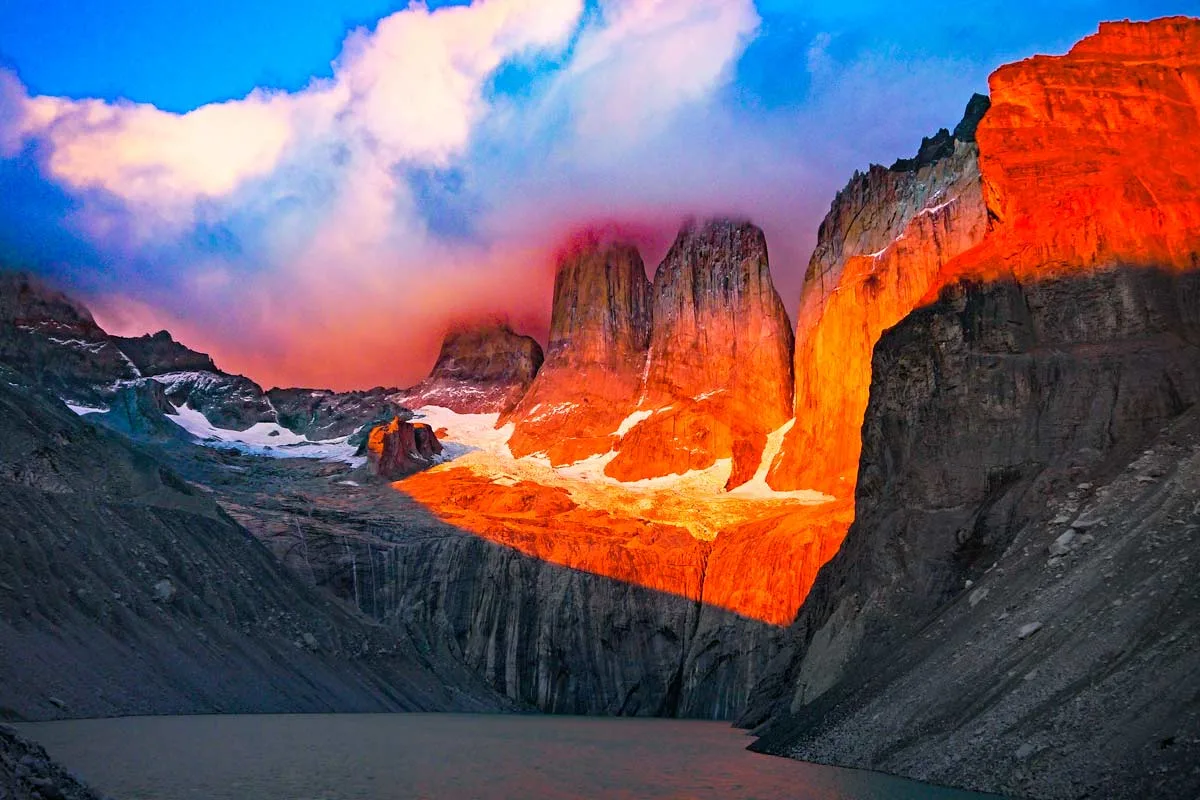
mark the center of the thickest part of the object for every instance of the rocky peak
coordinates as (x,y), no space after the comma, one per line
(482,368)
(715,282)
(719,373)
(159,353)
(601,311)
(599,334)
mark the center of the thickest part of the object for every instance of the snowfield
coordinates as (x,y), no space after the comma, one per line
(264,439)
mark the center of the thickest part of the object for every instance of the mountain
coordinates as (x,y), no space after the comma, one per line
(879,250)
(481,369)
(155,354)
(1015,588)
(719,372)
(125,589)
(137,383)
(664,378)
(596,361)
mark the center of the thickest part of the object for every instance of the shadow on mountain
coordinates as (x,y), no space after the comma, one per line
(125,590)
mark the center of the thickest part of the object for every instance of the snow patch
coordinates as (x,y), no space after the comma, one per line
(757,488)
(466,433)
(82,410)
(264,439)
(632,421)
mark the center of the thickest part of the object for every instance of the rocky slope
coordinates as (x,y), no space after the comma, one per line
(595,365)
(155,354)
(481,369)
(55,343)
(321,414)
(719,372)
(125,590)
(28,773)
(880,249)
(1011,609)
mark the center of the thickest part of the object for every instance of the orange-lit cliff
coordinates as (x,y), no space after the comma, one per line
(599,336)
(1083,160)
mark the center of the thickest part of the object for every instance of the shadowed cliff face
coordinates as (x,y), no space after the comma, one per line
(599,335)
(1001,615)
(1004,613)
(1083,160)
(126,590)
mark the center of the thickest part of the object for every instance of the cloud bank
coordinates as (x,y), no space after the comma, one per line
(328,236)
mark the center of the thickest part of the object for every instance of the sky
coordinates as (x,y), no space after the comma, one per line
(314,191)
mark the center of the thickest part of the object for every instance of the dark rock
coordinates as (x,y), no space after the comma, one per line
(78,500)
(987,409)
(140,410)
(156,354)
(320,414)
(28,773)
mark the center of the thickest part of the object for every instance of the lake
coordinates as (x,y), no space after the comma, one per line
(385,756)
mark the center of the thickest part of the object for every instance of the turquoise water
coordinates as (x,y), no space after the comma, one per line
(386,756)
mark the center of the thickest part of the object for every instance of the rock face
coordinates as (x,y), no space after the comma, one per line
(719,374)
(671,376)
(155,354)
(1002,418)
(321,414)
(28,773)
(481,369)
(140,411)
(401,448)
(125,590)
(879,251)
(1030,452)
(1087,158)
(55,341)
(599,336)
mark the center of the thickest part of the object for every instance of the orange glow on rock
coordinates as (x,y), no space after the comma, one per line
(759,568)
(1084,161)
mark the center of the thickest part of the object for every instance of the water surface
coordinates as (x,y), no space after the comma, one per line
(386,756)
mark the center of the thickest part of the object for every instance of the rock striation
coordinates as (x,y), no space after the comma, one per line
(595,364)
(879,251)
(719,372)
(1028,457)
(481,369)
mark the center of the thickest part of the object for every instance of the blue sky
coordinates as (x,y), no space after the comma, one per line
(422,168)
